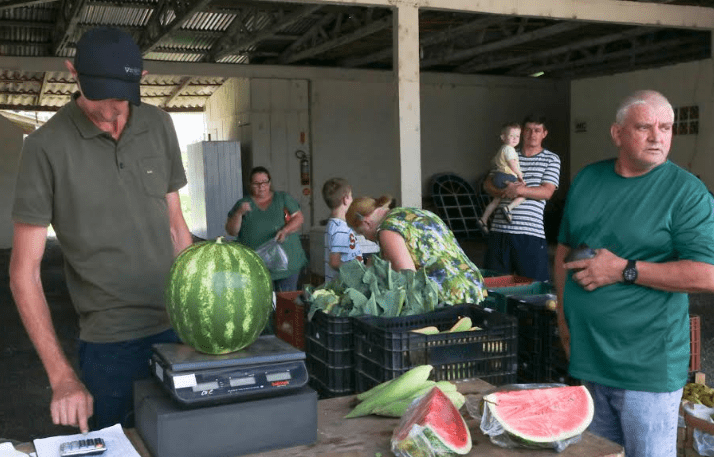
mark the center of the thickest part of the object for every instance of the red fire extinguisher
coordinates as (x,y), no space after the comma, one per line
(304,167)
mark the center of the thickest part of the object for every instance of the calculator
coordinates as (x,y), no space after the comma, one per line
(90,446)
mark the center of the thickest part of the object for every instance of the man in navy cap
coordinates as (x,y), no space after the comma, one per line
(105,172)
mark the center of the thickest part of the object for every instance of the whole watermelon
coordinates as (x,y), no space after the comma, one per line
(219,296)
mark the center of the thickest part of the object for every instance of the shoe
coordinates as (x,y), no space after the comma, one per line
(507,214)
(482,227)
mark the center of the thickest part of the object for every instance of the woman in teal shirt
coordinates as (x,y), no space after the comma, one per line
(266,215)
(411,239)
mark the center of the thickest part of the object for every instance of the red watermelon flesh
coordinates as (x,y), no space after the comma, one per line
(543,415)
(432,426)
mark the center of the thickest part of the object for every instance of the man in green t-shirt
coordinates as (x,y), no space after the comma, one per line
(623,315)
(105,172)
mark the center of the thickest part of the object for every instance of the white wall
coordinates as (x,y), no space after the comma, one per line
(595,100)
(353,127)
(11,136)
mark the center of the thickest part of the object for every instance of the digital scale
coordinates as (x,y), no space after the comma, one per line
(267,367)
(252,400)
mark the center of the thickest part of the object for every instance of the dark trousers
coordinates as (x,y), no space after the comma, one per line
(523,255)
(109,370)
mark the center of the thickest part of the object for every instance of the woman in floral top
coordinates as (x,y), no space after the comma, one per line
(412,238)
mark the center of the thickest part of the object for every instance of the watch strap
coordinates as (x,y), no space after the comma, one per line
(629,274)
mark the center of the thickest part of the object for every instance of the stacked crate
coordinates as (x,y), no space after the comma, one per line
(329,349)
(386,347)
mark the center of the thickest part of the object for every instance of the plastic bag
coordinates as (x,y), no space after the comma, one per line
(417,443)
(703,441)
(273,255)
(495,431)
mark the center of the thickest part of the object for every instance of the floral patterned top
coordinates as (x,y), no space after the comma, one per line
(433,247)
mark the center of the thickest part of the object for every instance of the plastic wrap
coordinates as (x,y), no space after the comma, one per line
(420,442)
(495,431)
(703,441)
(274,256)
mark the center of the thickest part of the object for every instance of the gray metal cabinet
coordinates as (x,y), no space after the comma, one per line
(215,184)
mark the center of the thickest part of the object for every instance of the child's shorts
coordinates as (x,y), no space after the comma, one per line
(501,179)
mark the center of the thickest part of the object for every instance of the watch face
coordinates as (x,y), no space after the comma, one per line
(630,274)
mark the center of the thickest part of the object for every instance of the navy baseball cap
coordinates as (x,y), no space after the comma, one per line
(109,64)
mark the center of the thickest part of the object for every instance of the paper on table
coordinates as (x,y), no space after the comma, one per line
(118,445)
(8,450)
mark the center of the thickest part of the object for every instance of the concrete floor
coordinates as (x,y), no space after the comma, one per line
(25,397)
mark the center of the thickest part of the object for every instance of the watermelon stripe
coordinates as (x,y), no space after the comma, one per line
(219,296)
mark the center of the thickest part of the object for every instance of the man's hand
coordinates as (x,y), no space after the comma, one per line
(72,404)
(512,190)
(603,269)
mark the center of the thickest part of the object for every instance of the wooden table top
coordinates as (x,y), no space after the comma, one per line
(369,435)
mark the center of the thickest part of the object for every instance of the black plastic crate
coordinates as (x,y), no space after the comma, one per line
(329,354)
(337,357)
(541,357)
(323,392)
(333,332)
(385,348)
(332,379)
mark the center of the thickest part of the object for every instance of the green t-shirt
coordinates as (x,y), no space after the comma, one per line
(433,247)
(259,226)
(629,336)
(106,200)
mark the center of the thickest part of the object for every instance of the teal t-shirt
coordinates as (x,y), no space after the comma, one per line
(260,226)
(433,247)
(629,336)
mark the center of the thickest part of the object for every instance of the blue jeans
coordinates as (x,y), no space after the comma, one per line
(644,423)
(286,284)
(524,255)
(109,370)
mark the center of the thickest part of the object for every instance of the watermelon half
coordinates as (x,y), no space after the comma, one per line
(543,415)
(219,296)
(431,426)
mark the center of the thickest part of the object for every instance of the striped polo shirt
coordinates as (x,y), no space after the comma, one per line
(541,168)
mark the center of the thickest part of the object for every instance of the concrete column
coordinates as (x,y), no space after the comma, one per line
(406,56)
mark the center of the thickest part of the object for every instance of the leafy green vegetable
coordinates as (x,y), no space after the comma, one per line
(374,290)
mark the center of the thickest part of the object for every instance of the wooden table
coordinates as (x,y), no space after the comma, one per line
(369,435)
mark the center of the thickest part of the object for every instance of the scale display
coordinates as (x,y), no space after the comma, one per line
(267,367)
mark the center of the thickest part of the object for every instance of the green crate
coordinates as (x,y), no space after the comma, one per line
(495,301)
(534,288)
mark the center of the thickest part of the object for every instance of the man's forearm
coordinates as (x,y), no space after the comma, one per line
(678,276)
(542,192)
(36,317)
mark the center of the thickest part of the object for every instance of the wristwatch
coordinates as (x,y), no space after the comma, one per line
(629,274)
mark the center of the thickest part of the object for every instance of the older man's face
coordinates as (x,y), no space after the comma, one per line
(645,136)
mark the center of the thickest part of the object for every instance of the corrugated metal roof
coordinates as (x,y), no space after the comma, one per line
(255,32)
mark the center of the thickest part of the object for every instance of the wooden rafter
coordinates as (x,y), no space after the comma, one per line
(66,24)
(233,42)
(176,92)
(169,15)
(369,29)
(510,61)
(429,40)
(513,40)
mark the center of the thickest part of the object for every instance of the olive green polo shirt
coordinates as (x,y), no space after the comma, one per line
(106,200)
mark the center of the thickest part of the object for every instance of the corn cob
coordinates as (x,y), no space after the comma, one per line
(462,325)
(403,386)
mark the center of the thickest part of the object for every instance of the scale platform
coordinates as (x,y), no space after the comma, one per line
(268,367)
(223,430)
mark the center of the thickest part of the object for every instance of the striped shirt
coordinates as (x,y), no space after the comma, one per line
(541,168)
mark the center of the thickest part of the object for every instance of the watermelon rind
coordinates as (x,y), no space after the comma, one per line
(219,296)
(427,425)
(546,416)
